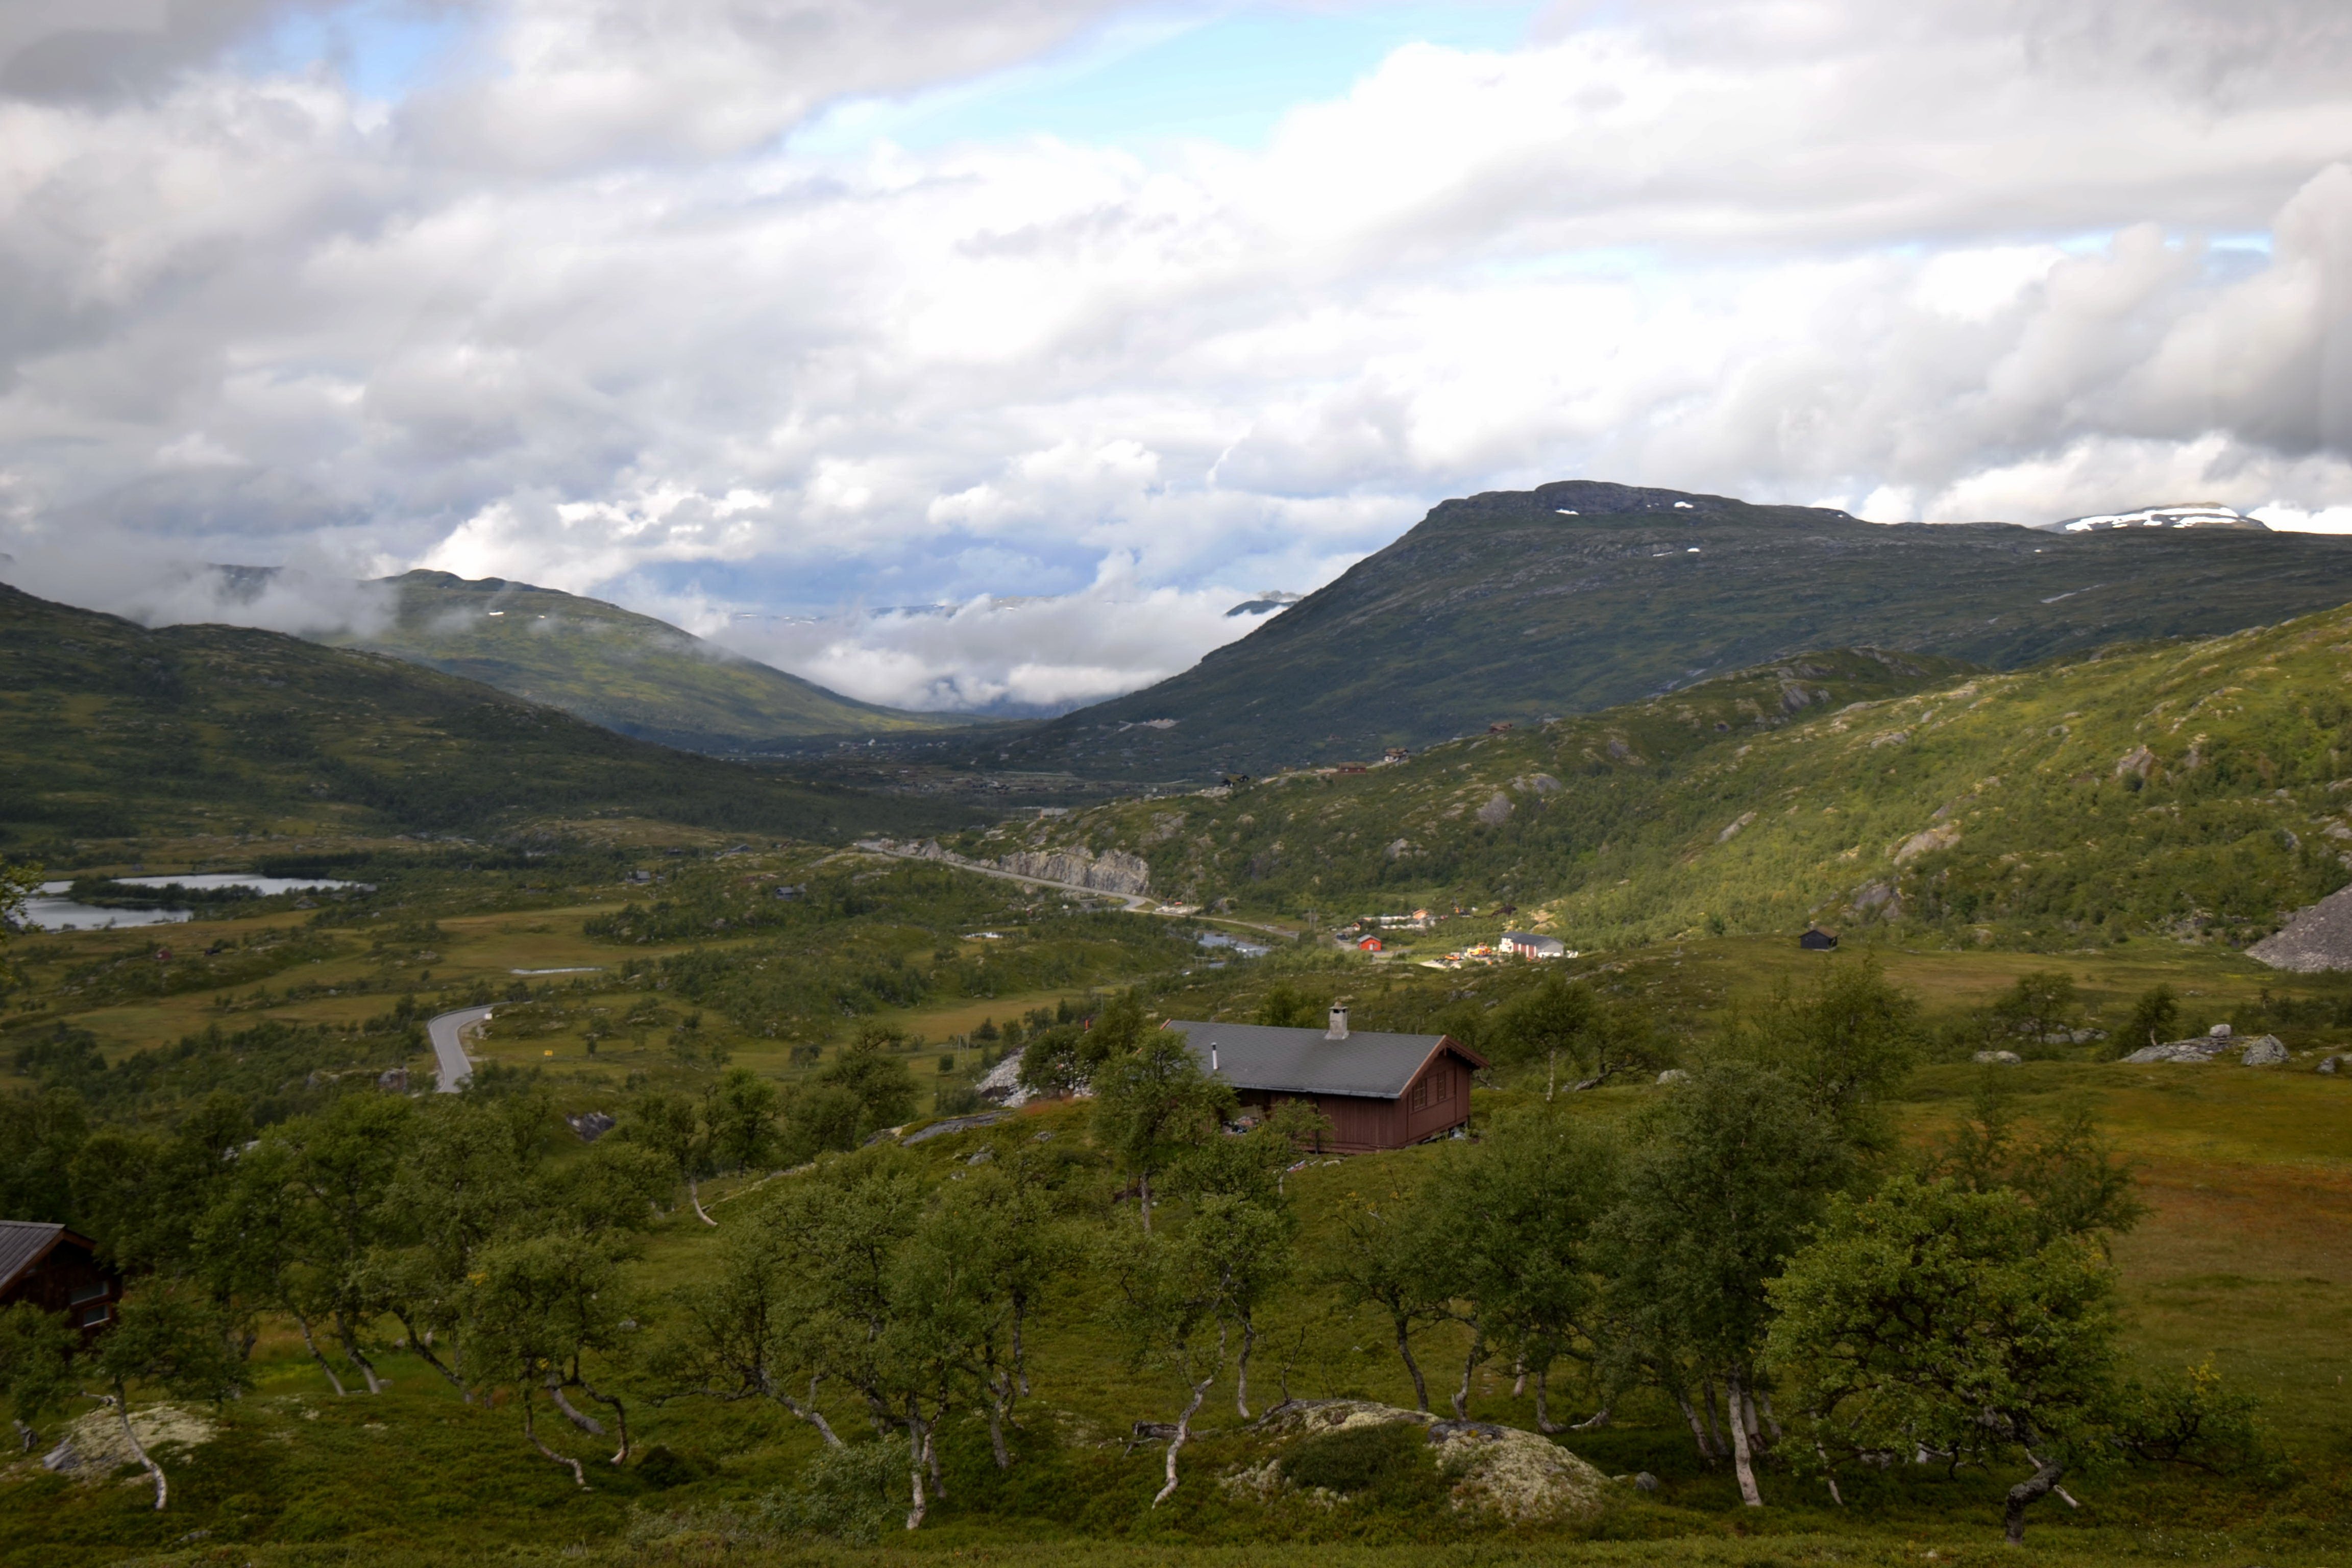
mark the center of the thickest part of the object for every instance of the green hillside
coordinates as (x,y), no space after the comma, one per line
(112,731)
(1501,607)
(625,671)
(2195,790)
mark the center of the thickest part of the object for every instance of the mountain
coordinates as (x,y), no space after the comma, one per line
(625,671)
(2192,791)
(1576,596)
(2196,514)
(114,730)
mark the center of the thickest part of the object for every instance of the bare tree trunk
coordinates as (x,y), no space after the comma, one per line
(1420,1384)
(423,1346)
(1829,1475)
(808,1413)
(915,1446)
(1469,1365)
(1698,1432)
(1599,1420)
(531,1430)
(1183,1436)
(931,1458)
(1747,1419)
(2021,1495)
(1742,1462)
(999,1400)
(120,1400)
(1241,1376)
(620,1417)
(1771,1422)
(588,1424)
(1551,1084)
(1543,1417)
(1143,1186)
(308,1339)
(26,1435)
(356,1356)
(694,1197)
(1707,1407)
(1519,1379)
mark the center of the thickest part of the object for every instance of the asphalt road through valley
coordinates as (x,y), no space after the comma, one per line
(456,1066)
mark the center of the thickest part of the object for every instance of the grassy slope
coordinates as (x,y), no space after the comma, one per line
(1498,607)
(113,731)
(1621,824)
(627,672)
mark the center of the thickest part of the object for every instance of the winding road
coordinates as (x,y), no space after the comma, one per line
(445,1032)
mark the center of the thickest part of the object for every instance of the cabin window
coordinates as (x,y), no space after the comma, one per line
(1444,1081)
(93,1316)
(1421,1095)
(86,1293)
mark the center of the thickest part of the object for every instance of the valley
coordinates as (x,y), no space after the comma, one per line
(713,1008)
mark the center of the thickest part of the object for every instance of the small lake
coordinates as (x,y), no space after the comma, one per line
(1246,949)
(50,909)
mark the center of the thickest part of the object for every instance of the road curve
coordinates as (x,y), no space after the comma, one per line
(1136,903)
(444,1032)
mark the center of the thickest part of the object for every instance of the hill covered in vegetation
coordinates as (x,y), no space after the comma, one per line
(1578,597)
(612,667)
(2196,790)
(113,731)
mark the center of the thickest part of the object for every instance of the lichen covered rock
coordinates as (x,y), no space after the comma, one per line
(1499,1473)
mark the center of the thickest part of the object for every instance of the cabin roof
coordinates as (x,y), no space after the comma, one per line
(24,1243)
(1309,1061)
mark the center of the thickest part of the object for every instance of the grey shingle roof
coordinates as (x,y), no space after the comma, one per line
(22,1243)
(1304,1061)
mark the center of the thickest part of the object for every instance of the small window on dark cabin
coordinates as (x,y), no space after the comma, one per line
(1444,1081)
(1421,1095)
(86,1293)
(93,1316)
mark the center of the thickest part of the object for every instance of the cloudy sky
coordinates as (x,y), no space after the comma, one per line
(803,308)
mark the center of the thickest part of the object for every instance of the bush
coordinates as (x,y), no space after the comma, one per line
(1389,1464)
(851,1495)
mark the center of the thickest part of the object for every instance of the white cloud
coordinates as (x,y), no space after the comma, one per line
(570,311)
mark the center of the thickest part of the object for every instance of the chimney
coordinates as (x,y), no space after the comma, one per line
(1213,1055)
(1339,1030)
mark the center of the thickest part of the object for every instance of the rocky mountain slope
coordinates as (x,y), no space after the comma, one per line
(2197,790)
(627,672)
(113,731)
(1516,606)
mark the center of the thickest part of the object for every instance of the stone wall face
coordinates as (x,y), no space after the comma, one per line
(1112,872)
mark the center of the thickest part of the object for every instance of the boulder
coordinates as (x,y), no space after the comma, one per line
(93,1446)
(2003,1057)
(1501,1472)
(1673,1075)
(2327,1063)
(2201,1049)
(2317,937)
(2266,1051)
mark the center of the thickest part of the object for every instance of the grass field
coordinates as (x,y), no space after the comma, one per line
(2244,1261)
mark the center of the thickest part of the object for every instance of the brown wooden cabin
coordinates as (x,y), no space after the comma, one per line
(58,1271)
(1378,1090)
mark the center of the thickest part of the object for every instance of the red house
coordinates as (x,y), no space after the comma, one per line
(1378,1090)
(58,1271)
(1371,944)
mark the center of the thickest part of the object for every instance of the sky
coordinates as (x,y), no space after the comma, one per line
(1089,320)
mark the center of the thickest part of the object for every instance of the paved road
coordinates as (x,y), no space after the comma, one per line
(456,1067)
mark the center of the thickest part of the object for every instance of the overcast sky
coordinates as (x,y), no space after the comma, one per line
(807,307)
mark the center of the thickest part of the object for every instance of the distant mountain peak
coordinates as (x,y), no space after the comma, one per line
(2192,514)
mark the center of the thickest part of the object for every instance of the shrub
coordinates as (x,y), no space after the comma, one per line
(852,1495)
(1387,1464)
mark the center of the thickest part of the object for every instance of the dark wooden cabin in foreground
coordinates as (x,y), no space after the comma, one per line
(57,1271)
(1378,1090)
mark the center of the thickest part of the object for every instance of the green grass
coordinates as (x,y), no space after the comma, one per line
(2184,791)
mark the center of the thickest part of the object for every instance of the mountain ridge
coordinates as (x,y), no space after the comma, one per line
(1510,606)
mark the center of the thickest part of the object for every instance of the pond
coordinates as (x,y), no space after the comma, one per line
(1246,949)
(50,909)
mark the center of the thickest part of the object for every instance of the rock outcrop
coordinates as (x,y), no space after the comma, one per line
(1501,1472)
(1112,872)
(2317,938)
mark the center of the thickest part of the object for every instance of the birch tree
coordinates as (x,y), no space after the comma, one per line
(166,1336)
